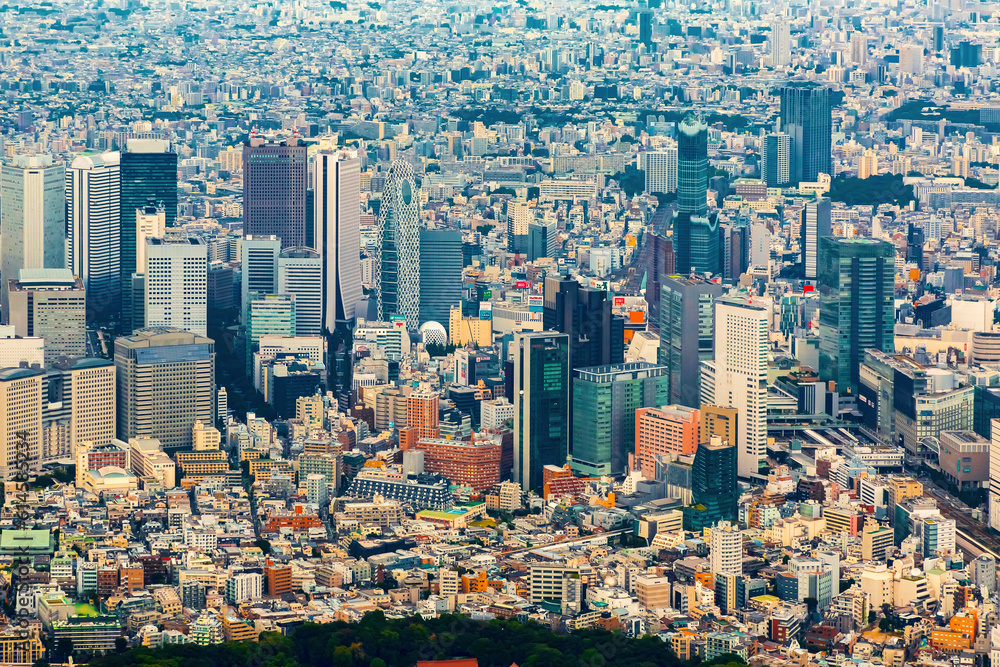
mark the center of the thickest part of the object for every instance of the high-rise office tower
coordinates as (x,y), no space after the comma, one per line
(646,28)
(714,491)
(697,236)
(259,267)
(87,388)
(605,400)
(735,240)
(150,223)
(176,284)
(337,219)
(542,240)
(275,179)
(911,59)
(93,231)
(737,378)
(519,216)
(267,315)
(300,272)
(32,218)
(807,118)
(166,382)
(781,44)
(440,273)
(663,263)
(774,159)
(148,177)
(397,276)
(687,334)
(915,245)
(541,404)
(859,49)
(726,549)
(856,289)
(660,167)
(21,399)
(51,304)
(815,225)
(597,338)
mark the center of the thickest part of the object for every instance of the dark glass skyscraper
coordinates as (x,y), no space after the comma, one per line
(597,338)
(856,312)
(714,493)
(815,225)
(697,244)
(148,175)
(687,333)
(541,404)
(806,116)
(440,274)
(275,180)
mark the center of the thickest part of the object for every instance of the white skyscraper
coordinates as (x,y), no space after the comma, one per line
(32,218)
(300,272)
(398,276)
(150,223)
(995,474)
(661,169)
(93,230)
(726,549)
(781,44)
(911,59)
(176,288)
(859,49)
(737,378)
(259,266)
(337,216)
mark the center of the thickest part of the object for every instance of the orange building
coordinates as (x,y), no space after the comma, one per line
(279,579)
(474,464)
(673,429)
(948,641)
(422,412)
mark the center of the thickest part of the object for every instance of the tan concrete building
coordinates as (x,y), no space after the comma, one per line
(51,304)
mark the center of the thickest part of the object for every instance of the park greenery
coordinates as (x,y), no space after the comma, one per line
(380,642)
(871,191)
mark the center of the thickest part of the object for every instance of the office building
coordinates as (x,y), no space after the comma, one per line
(646,28)
(87,388)
(859,49)
(815,226)
(275,180)
(726,549)
(268,315)
(166,382)
(541,385)
(397,275)
(259,268)
(300,273)
(714,491)
(148,170)
(687,333)
(774,159)
(806,116)
(994,484)
(474,464)
(857,312)
(737,378)
(911,59)
(15,351)
(21,394)
(50,304)
(150,223)
(337,220)
(605,404)
(32,219)
(542,241)
(665,431)
(597,338)
(663,263)
(660,167)
(441,266)
(176,284)
(93,231)
(696,235)
(781,44)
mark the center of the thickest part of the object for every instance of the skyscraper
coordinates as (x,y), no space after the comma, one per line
(337,217)
(21,391)
(50,304)
(275,176)
(259,265)
(300,272)
(148,177)
(541,404)
(397,276)
(93,231)
(737,378)
(176,284)
(697,236)
(859,49)
(660,167)
(597,338)
(542,238)
(807,117)
(726,549)
(32,218)
(815,226)
(781,44)
(774,159)
(687,333)
(663,263)
(856,289)
(440,273)
(605,400)
(714,492)
(646,28)
(166,382)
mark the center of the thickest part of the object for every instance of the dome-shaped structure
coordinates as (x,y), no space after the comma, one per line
(433,332)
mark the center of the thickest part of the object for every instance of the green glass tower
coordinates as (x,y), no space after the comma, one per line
(857,312)
(714,494)
(807,117)
(687,334)
(541,404)
(605,399)
(697,235)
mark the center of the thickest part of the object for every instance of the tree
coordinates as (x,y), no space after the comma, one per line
(121,644)
(872,616)
(885,625)
(264,546)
